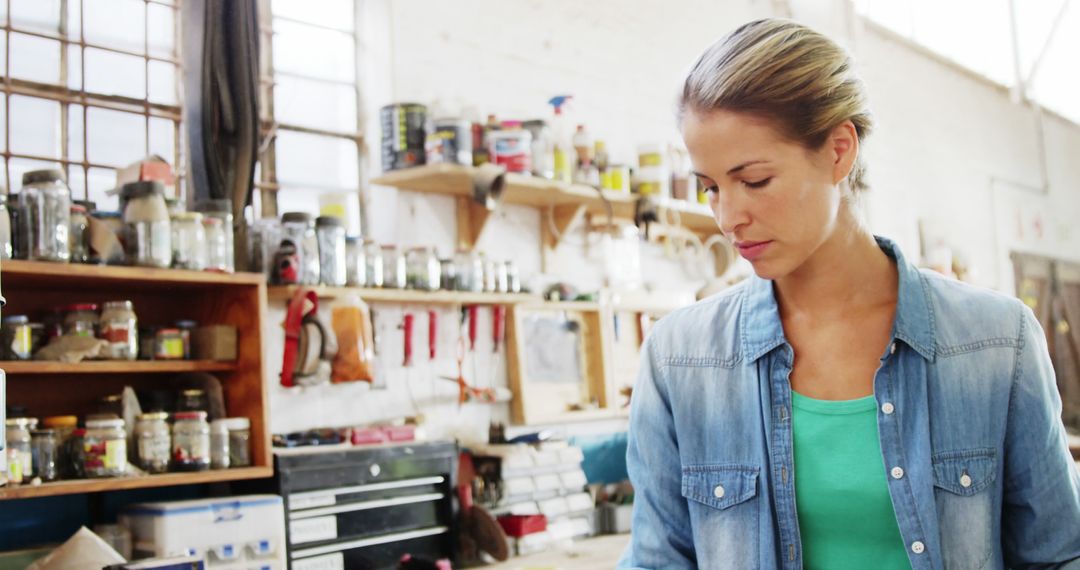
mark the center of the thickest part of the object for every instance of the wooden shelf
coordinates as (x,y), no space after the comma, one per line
(284,293)
(75,276)
(114,367)
(122,483)
(566,202)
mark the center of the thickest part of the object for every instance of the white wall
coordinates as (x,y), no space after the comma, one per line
(949,149)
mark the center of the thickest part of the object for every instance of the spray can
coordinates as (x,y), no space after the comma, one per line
(562,150)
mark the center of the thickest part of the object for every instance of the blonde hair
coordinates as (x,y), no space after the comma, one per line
(783,71)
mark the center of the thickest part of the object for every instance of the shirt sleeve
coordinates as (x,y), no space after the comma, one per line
(1041,518)
(661,534)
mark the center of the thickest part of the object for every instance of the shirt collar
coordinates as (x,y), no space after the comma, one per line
(762,330)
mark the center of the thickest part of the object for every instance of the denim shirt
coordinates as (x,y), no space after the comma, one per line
(978,467)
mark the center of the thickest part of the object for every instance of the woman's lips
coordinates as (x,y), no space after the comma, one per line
(752,250)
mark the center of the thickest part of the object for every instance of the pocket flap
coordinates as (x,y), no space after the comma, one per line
(719,486)
(965,472)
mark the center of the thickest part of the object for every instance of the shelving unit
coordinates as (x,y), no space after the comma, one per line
(284,293)
(160,296)
(566,203)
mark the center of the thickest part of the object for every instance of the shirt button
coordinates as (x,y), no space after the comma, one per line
(897,473)
(887,408)
(918,547)
(965,480)
(892,349)
(718,492)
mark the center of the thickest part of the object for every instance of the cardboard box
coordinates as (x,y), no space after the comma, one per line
(215,342)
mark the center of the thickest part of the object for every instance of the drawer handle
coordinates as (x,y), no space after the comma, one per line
(375,470)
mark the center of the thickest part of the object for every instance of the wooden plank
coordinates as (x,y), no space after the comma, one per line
(284,293)
(451,179)
(75,275)
(472,218)
(114,367)
(121,483)
(562,217)
(515,353)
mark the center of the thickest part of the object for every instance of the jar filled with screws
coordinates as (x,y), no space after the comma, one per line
(423,269)
(330,233)
(106,448)
(239,442)
(47,199)
(147,225)
(373,264)
(395,272)
(219,444)
(191,442)
(188,241)
(355,274)
(45,449)
(153,441)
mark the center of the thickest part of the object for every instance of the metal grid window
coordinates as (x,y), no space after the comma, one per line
(89,87)
(310,105)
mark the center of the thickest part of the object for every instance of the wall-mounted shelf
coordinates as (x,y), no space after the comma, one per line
(20,367)
(405,296)
(566,203)
(78,486)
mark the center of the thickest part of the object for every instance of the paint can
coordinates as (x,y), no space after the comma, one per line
(403,135)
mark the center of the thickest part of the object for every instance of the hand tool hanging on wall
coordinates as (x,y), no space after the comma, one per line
(433,335)
(301,325)
(407,327)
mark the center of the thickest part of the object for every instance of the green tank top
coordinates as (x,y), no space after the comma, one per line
(846,517)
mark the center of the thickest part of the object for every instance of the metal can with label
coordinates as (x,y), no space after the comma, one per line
(453,141)
(403,135)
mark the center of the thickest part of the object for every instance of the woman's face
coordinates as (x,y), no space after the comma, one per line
(775,200)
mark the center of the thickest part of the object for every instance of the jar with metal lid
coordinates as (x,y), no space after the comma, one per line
(219,444)
(188,241)
(299,228)
(330,233)
(355,264)
(120,328)
(45,449)
(220,210)
(239,441)
(22,227)
(470,271)
(153,442)
(192,400)
(81,319)
(17,338)
(6,250)
(190,442)
(168,344)
(79,235)
(502,277)
(19,450)
(373,264)
(187,331)
(105,448)
(217,246)
(447,275)
(395,271)
(424,272)
(513,277)
(65,427)
(491,275)
(147,225)
(48,199)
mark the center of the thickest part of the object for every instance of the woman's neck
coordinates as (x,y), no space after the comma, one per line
(847,272)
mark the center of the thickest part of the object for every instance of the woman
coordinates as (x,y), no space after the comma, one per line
(841,408)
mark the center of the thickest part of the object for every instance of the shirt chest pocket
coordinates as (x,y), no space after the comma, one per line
(723,511)
(964,483)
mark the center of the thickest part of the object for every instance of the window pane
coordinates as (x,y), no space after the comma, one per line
(77,181)
(117,24)
(74,24)
(74,79)
(291,199)
(330,13)
(3,124)
(981,44)
(20,166)
(36,15)
(163,82)
(75,132)
(162,139)
(160,20)
(115,138)
(110,73)
(313,52)
(35,126)
(1058,84)
(313,161)
(35,59)
(99,181)
(315,104)
(3,52)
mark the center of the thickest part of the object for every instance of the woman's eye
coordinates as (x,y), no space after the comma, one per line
(711,189)
(759,184)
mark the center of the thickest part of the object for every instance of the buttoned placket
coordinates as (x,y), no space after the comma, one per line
(783,459)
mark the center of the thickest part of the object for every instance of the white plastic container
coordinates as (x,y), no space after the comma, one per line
(224,531)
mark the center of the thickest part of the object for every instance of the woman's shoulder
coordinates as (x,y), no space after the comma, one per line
(704,328)
(966,314)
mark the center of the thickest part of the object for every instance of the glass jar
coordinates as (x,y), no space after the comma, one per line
(22,227)
(187,331)
(221,210)
(491,276)
(188,241)
(330,233)
(502,277)
(5,228)
(424,272)
(110,406)
(355,264)
(147,226)
(81,319)
(219,444)
(190,442)
(153,442)
(192,400)
(120,328)
(373,264)
(470,271)
(239,441)
(105,446)
(79,235)
(75,450)
(299,228)
(45,449)
(217,245)
(263,237)
(19,450)
(48,201)
(17,338)
(395,272)
(64,426)
(168,344)
(447,275)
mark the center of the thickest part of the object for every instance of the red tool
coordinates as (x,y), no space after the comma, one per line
(432,333)
(472,309)
(498,316)
(407,326)
(304,304)
(467,393)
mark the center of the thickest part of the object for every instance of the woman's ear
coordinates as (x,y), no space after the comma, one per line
(843,146)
